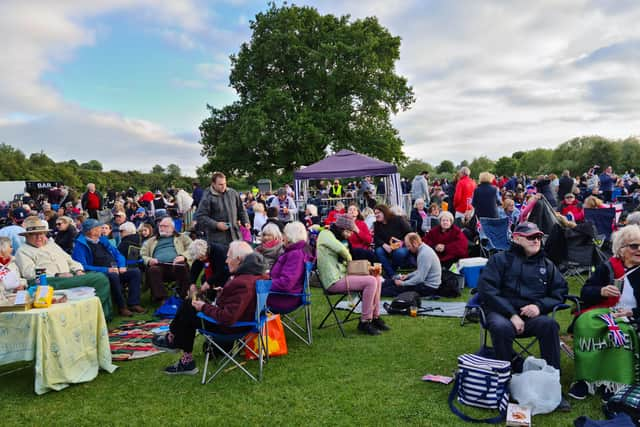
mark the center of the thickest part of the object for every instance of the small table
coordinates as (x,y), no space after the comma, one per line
(68,342)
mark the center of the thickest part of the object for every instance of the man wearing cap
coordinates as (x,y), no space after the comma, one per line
(119,218)
(286,206)
(62,271)
(95,253)
(15,230)
(518,288)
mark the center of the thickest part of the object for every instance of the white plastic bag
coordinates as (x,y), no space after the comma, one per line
(538,386)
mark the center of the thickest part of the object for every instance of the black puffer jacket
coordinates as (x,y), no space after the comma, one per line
(510,281)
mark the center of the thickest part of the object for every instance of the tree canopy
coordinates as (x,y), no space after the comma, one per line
(307,84)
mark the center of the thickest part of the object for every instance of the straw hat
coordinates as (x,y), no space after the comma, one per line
(33,225)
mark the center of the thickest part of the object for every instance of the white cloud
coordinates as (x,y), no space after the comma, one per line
(179,39)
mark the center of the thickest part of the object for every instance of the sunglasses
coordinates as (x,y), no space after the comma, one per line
(633,246)
(533,238)
(59,223)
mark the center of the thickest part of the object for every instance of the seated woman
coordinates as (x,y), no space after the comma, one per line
(259,218)
(108,233)
(311,216)
(572,208)
(271,246)
(66,233)
(388,238)
(434,214)
(447,240)
(288,272)
(360,240)
(333,214)
(369,217)
(419,218)
(9,271)
(592,202)
(604,359)
(146,232)
(509,210)
(130,243)
(332,257)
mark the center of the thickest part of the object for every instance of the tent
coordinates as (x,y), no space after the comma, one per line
(347,164)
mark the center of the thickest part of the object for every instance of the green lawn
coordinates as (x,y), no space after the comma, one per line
(359,380)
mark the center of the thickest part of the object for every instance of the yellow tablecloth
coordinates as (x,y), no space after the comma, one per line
(69,342)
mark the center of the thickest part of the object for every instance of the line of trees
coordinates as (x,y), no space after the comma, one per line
(577,155)
(16,166)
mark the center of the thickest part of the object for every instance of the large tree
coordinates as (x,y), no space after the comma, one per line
(307,84)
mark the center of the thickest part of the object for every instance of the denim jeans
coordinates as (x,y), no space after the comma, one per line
(398,258)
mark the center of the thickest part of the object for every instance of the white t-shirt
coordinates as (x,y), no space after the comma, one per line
(627,299)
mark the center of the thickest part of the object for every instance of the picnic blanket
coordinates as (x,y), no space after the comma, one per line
(132,340)
(439,309)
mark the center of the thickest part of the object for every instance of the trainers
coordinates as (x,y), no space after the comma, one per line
(379,324)
(161,342)
(579,390)
(180,368)
(137,309)
(564,405)
(368,328)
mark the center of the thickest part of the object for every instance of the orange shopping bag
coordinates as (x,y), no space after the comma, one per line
(276,339)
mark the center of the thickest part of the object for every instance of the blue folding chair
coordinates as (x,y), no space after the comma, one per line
(288,317)
(494,235)
(240,339)
(602,219)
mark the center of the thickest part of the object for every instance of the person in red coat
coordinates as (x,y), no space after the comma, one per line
(572,208)
(360,241)
(464,193)
(447,240)
(235,302)
(333,214)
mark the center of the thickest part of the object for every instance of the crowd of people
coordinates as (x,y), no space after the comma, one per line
(117,243)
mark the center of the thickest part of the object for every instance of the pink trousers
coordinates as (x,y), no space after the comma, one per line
(370,286)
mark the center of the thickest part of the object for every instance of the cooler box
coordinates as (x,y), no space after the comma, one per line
(471,268)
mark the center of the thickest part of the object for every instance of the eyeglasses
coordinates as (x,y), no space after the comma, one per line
(533,238)
(59,223)
(633,246)
(570,197)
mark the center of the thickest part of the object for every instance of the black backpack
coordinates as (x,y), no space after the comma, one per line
(403,302)
(451,284)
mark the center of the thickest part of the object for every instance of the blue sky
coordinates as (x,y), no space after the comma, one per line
(126,82)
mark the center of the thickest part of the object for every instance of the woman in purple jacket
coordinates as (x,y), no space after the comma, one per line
(287,274)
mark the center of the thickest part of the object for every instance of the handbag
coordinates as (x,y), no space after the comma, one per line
(483,383)
(358,267)
(276,340)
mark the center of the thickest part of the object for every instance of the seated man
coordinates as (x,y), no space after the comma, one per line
(96,253)
(235,302)
(425,280)
(518,288)
(61,270)
(166,259)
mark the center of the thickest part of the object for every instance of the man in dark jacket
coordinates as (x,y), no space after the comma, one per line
(234,303)
(220,214)
(518,288)
(565,185)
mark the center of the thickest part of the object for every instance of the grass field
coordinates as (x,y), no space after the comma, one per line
(360,380)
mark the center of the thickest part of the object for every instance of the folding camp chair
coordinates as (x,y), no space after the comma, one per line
(603,219)
(581,254)
(334,311)
(524,344)
(240,339)
(288,317)
(494,235)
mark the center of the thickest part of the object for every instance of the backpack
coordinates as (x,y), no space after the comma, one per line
(451,284)
(403,302)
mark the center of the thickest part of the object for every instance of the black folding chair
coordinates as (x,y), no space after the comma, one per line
(333,310)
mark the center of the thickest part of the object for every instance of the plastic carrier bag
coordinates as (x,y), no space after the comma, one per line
(538,386)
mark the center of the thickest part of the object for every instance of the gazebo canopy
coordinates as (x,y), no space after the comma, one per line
(345,164)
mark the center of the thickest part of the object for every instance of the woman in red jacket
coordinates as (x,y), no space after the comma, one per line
(447,240)
(572,208)
(360,241)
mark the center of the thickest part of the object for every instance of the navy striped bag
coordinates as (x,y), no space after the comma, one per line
(483,383)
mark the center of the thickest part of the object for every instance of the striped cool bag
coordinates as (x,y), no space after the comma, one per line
(483,383)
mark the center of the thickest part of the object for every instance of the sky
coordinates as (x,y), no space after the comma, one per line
(126,82)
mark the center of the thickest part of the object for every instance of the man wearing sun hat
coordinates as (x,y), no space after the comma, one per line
(62,271)
(518,288)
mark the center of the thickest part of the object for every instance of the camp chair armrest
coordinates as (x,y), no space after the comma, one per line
(206,318)
(288,294)
(575,300)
